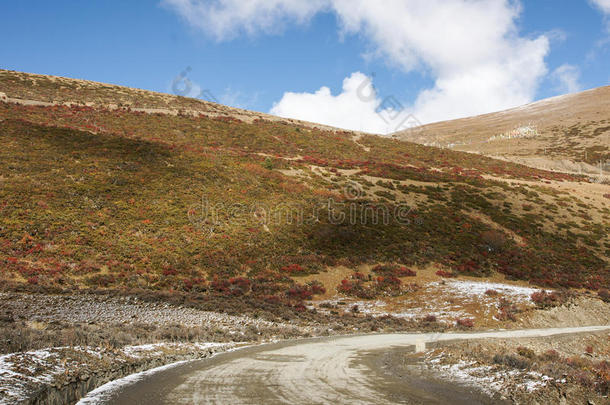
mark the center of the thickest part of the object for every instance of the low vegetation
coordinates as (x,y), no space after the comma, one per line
(94,197)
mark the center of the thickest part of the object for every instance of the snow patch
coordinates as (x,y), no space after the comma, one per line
(104,393)
(478,288)
(21,372)
(489,379)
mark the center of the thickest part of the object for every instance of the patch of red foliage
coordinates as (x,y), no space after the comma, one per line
(429,318)
(293,268)
(445,274)
(464,322)
(544,299)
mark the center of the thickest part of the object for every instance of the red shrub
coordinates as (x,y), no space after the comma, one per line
(429,318)
(542,299)
(240,282)
(345,286)
(594,282)
(602,383)
(300,292)
(551,355)
(218,285)
(169,272)
(604,295)
(355,288)
(507,311)
(293,268)
(317,288)
(388,283)
(239,285)
(187,284)
(405,272)
(464,322)
(469,266)
(446,274)
(505,315)
(272,299)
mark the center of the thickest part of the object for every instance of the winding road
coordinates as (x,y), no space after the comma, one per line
(347,369)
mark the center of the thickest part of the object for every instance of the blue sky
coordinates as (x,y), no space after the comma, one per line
(431,59)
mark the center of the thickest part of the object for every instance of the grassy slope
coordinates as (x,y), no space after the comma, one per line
(113,198)
(575,127)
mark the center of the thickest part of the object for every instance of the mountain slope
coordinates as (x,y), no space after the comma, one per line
(43,90)
(98,196)
(569,133)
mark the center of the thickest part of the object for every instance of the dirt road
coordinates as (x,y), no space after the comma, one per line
(313,371)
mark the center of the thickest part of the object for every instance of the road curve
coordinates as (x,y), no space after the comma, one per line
(311,371)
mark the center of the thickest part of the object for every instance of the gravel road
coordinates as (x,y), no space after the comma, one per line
(312,371)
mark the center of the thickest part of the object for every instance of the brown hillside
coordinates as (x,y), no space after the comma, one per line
(569,133)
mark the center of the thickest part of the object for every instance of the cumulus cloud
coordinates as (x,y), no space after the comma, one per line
(472,49)
(567,78)
(603,5)
(358,107)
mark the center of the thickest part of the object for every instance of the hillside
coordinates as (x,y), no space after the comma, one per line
(105,187)
(569,133)
(43,90)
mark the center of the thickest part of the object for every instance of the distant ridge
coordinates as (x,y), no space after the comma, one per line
(567,133)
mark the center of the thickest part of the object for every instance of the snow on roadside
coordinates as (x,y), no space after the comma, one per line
(22,372)
(156,349)
(489,379)
(104,393)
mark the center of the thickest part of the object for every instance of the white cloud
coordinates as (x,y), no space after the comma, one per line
(357,107)
(472,49)
(603,5)
(225,19)
(567,78)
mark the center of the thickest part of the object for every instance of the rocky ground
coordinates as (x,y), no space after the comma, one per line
(559,370)
(147,321)
(31,321)
(64,374)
